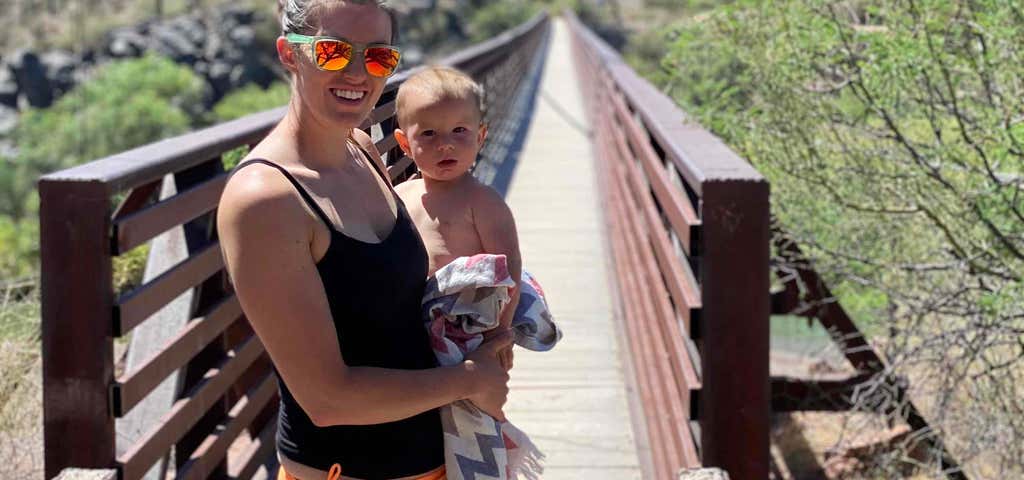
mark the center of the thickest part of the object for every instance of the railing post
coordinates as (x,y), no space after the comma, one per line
(77,346)
(734,403)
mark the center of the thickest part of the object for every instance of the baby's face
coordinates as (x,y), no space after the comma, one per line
(443,136)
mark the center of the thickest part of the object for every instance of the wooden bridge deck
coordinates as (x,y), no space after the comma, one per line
(572,401)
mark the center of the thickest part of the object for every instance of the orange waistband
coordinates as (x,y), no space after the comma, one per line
(336,474)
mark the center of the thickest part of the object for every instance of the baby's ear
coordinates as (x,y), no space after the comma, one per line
(403,141)
(482,135)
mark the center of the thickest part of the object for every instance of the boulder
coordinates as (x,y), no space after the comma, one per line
(60,69)
(30,74)
(191,28)
(8,120)
(173,44)
(8,87)
(126,43)
(219,77)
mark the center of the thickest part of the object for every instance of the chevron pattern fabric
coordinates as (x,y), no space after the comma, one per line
(462,301)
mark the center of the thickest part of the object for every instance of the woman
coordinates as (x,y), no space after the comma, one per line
(330,271)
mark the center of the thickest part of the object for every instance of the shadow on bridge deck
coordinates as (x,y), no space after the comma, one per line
(572,401)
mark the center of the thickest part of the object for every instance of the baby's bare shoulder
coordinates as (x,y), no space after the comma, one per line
(485,199)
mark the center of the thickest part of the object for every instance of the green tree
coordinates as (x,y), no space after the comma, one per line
(893,137)
(125,105)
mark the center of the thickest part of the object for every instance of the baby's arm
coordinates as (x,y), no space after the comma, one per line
(497,231)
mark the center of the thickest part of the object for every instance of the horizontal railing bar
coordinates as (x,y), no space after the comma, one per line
(668,396)
(250,460)
(683,365)
(151,162)
(398,167)
(644,357)
(494,46)
(673,391)
(136,199)
(699,155)
(148,163)
(677,207)
(132,230)
(214,448)
(681,281)
(830,395)
(386,144)
(184,414)
(132,387)
(136,306)
(379,114)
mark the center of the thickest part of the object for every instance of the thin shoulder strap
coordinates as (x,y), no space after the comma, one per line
(371,161)
(298,186)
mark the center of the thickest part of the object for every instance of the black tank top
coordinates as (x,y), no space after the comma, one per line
(374,291)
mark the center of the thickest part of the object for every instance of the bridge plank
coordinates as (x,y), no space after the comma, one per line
(553,195)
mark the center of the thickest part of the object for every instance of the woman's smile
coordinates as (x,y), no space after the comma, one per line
(347,96)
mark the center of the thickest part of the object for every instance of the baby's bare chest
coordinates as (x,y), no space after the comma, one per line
(447,233)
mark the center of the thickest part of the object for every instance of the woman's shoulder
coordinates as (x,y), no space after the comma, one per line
(257,193)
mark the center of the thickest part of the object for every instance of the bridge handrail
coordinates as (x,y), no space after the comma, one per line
(688,223)
(228,385)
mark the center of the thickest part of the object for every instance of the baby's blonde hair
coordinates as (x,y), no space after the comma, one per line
(439,83)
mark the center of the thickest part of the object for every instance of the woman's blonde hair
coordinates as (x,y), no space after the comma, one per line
(296,15)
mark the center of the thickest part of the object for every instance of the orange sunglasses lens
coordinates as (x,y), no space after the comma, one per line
(381,61)
(332,54)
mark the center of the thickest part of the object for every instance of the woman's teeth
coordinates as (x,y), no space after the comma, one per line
(348,94)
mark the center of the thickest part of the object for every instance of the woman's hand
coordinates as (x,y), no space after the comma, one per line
(490,377)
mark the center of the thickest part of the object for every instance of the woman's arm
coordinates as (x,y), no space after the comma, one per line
(266,236)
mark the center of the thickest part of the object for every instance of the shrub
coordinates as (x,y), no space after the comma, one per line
(126,104)
(251,99)
(493,19)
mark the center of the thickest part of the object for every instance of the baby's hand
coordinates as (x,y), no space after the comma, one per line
(504,355)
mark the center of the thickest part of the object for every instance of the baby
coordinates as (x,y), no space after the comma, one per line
(439,112)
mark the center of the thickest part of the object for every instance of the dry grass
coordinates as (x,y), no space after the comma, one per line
(21,416)
(80,24)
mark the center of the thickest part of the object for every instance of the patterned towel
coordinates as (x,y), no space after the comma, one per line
(462,301)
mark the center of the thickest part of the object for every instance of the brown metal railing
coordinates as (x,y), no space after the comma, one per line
(688,223)
(229,386)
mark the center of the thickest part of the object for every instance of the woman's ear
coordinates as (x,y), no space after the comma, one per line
(286,54)
(403,141)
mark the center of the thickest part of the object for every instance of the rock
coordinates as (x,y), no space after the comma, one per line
(236,15)
(8,87)
(242,38)
(126,43)
(8,120)
(191,28)
(30,75)
(60,69)
(219,77)
(703,474)
(174,45)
